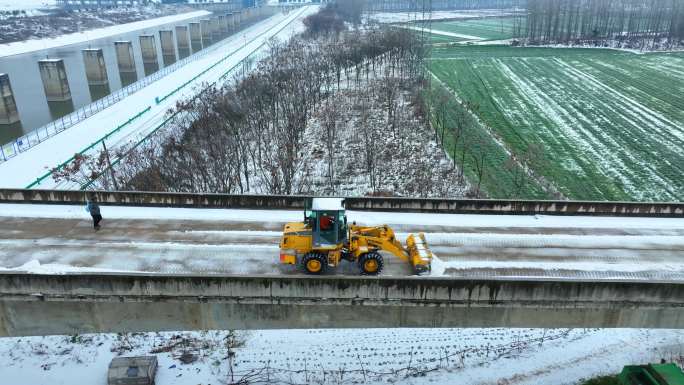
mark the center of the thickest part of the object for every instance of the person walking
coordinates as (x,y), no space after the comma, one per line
(94,209)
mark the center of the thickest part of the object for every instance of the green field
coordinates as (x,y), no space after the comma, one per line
(482,29)
(611,123)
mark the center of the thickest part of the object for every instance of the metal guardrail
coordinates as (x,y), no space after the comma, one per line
(91,146)
(39,135)
(243,65)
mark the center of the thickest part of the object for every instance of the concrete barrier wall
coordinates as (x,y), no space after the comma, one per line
(472,206)
(79,303)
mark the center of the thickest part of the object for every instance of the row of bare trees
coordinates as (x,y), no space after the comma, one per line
(459,130)
(247,136)
(641,21)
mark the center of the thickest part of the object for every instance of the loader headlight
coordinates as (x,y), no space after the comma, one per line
(288,256)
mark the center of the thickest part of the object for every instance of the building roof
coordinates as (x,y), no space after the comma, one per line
(328,204)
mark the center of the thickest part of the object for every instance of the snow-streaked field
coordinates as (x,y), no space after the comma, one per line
(53,239)
(486,28)
(402,17)
(611,123)
(335,356)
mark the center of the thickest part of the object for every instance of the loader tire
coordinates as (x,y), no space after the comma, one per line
(371,263)
(314,263)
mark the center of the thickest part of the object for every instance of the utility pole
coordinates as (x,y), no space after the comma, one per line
(109,166)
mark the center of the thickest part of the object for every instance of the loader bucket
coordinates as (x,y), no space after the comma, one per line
(419,253)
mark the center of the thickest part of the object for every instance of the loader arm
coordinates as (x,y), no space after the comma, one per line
(383,238)
(393,247)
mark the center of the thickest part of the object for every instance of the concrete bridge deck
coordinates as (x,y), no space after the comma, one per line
(59,238)
(174,268)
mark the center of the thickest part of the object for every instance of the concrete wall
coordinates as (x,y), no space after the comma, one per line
(55,82)
(8,107)
(80,303)
(468,206)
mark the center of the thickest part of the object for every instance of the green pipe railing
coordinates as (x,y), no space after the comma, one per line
(40,179)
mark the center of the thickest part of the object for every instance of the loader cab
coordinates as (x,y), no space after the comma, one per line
(327,220)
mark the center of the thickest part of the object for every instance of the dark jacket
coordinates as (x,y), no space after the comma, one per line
(93,208)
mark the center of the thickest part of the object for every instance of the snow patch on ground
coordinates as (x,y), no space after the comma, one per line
(35,267)
(335,356)
(362,217)
(27,5)
(400,17)
(444,33)
(438,267)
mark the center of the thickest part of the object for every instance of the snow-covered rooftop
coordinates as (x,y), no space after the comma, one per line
(328,204)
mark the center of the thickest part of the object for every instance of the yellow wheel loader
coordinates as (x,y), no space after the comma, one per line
(324,239)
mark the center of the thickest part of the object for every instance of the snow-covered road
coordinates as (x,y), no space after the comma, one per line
(53,238)
(28,166)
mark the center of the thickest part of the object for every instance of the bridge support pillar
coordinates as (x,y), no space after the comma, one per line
(238,19)
(55,81)
(148,49)
(223,26)
(230,22)
(206,32)
(126,62)
(96,73)
(167,47)
(215,30)
(195,37)
(8,106)
(182,41)
(56,86)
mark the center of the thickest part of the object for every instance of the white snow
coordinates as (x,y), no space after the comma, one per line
(371,356)
(329,204)
(12,5)
(230,241)
(26,167)
(362,217)
(26,46)
(443,33)
(400,17)
(35,267)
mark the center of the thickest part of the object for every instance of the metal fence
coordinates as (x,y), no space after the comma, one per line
(239,70)
(51,129)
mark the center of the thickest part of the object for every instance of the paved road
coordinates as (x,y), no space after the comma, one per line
(242,243)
